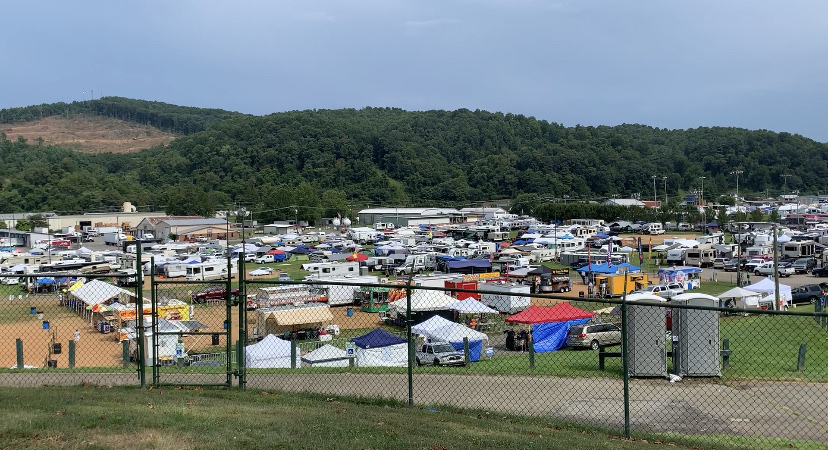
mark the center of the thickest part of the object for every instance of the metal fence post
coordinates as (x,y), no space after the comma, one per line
(625,361)
(531,344)
(72,353)
(292,354)
(466,352)
(124,353)
(19,348)
(408,322)
(800,360)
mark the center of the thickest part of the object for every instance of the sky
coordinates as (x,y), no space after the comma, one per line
(752,64)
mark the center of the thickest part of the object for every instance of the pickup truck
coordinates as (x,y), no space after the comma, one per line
(767,269)
(264,259)
(439,354)
(667,290)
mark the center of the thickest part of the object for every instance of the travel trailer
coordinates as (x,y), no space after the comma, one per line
(331,269)
(211,270)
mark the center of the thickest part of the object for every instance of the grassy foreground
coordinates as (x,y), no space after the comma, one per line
(105,417)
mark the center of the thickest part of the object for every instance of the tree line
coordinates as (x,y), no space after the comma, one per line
(318,163)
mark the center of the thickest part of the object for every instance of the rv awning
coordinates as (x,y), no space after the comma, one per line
(300,316)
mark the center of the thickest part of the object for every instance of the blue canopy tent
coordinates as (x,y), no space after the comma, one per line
(605,268)
(468,266)
(551,325)
(381,348)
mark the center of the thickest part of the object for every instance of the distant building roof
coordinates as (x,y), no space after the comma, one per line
(410,211)
(157,220)
(624,202)
(193,222)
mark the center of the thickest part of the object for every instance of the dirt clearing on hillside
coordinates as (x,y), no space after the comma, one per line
(89,134)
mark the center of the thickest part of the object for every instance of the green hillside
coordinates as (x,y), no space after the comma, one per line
(328,161)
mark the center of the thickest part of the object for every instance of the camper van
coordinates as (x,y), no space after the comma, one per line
(331,269)
(653,228)
(211,270)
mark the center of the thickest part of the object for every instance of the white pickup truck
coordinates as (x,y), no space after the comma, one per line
(666,290)
(767,269)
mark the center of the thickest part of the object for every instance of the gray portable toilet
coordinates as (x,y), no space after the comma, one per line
(696,336)
(646,337)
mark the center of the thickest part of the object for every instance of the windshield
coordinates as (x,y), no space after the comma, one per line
(443,348)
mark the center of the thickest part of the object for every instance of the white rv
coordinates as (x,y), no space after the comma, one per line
(331,269)
(653,228)
(211,270)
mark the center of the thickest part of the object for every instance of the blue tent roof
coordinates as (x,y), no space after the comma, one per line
(46,280)
(602,235)
(464,263)
(604,268)
(377,338)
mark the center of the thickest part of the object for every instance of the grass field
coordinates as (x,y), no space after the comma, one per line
(173,418)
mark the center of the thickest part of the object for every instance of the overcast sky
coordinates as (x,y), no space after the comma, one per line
(744,63)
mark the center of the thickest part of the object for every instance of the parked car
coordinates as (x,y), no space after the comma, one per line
(767,269)
(808,293)
(731,265)
(666,290)
(719,263)
(283,276)
(439,354)
(591,336)
(212,293)
(820,271)
(261,271)
(803,265)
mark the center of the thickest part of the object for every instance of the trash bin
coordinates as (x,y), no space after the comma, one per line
(53,363)
(45,324)
(32,310)
(40,314)
(57,348)
(350,312)
(215,339)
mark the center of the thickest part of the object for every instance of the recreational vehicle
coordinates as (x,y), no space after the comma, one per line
(331,269)
(798,249)
(211,270)
(699,257)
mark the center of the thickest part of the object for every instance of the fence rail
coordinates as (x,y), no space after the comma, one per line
(682,368)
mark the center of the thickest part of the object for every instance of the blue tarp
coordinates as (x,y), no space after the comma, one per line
(548,337)
(376,339)
(475,349)
(46,280)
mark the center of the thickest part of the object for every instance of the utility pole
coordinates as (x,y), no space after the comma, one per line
(737,173)
(665,191)
(654,190)
(786,181)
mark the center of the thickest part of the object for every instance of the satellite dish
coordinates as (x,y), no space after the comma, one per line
(346,222)
(335,222)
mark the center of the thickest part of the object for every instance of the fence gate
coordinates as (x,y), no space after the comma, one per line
(191,332)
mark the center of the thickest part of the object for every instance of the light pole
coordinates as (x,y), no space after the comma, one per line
(786,181)
(665,191)
(654,190)
(737,173)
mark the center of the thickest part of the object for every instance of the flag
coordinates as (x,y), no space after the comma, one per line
(609,255)
(640,253)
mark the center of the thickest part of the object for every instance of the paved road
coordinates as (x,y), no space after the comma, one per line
(766,409)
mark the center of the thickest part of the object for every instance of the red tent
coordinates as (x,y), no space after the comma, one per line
(561,312)
(357,257)
(275,252)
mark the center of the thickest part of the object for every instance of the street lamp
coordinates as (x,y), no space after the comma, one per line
(665,191)
(654,190)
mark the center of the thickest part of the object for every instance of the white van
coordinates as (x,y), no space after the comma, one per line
(653,228)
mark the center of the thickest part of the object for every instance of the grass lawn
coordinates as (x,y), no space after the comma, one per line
(173,418)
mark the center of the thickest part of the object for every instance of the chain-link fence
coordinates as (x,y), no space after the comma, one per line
(693,367)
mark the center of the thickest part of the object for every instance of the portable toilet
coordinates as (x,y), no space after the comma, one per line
(696,336)
(646,336)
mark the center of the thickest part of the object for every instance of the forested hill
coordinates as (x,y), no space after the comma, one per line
(328,159)
(167,117)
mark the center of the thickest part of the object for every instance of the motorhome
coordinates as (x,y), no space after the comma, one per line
(211,270)
(677,256)
(726,250)
(542,255)
(759,251)
(417,264)
(331,269)
(498,236)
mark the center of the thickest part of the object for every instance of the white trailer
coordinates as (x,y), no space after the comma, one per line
(331,269)
(506,298)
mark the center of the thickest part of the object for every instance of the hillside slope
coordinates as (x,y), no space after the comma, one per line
(89,134)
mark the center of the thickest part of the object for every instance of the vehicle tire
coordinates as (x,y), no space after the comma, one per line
(593,345)
(436,362)
(812,300)
(756,272)
(419,363)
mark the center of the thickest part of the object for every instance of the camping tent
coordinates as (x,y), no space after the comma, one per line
(767,286)
(269,352)
(422,300)
(550,325)
(381,348)
(441,329)
(327,356)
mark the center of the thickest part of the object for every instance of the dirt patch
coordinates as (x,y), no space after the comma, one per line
(89,134)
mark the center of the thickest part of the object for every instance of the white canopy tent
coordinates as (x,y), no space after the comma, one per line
(327,356)
(471,306)
(268,353)
(743,298)
(767,286)
(422,300)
